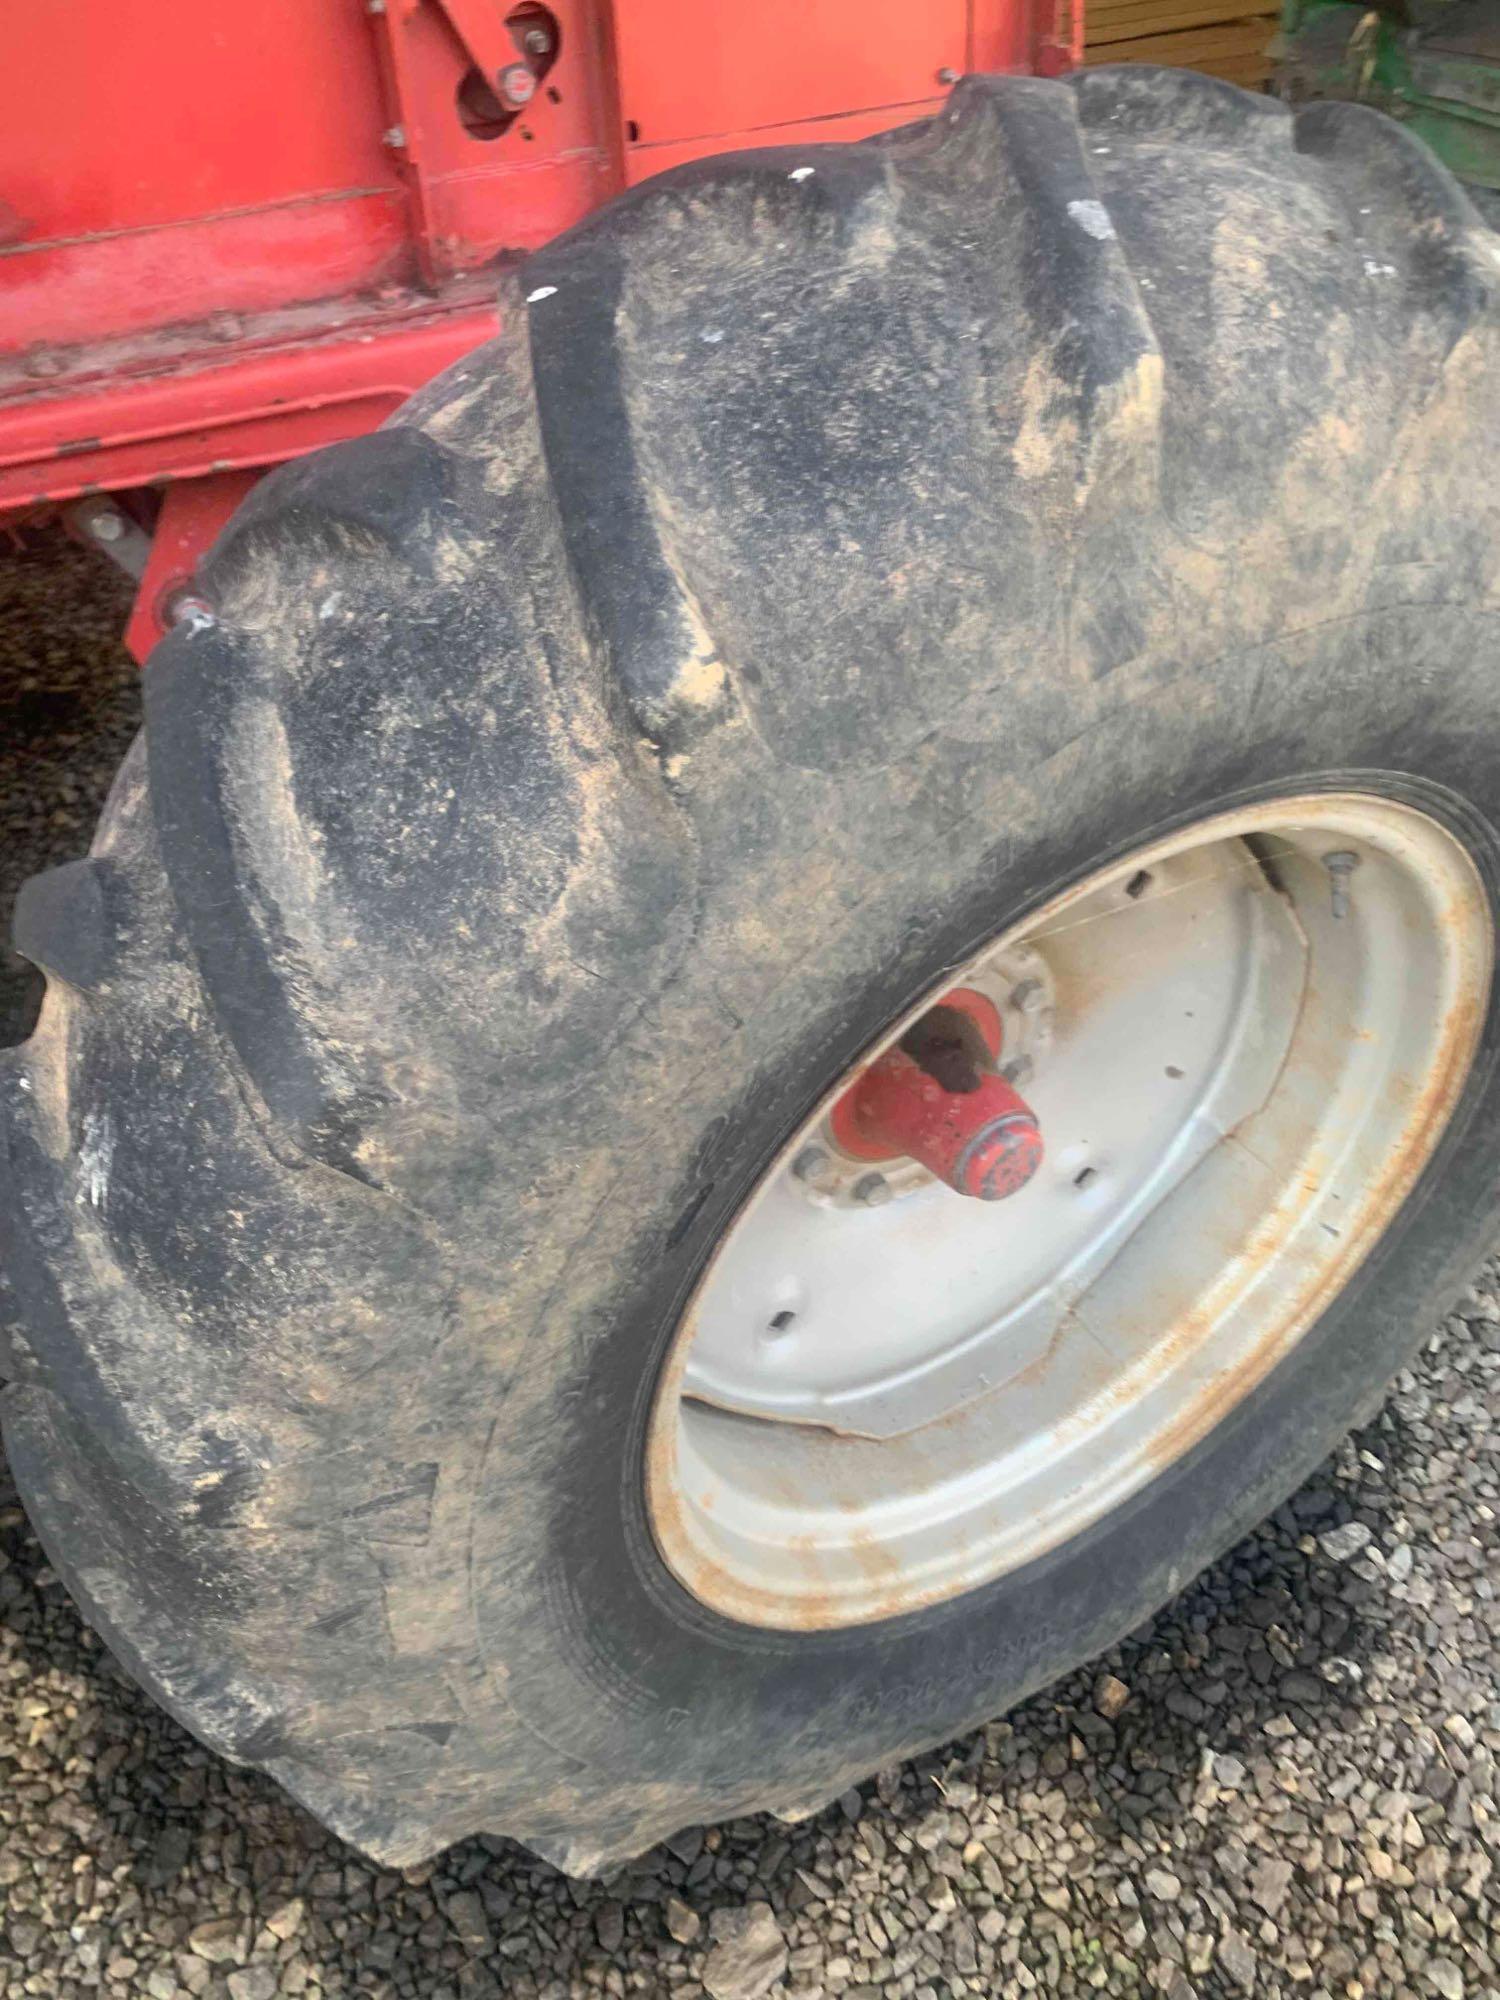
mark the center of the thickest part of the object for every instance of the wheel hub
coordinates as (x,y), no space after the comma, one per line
(938,1098)
(1008,1000)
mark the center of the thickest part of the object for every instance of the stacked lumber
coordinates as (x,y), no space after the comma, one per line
(1219,36)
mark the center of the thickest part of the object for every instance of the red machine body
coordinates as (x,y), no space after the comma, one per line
(230,233)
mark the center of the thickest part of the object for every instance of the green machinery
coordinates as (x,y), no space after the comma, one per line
(1434,64)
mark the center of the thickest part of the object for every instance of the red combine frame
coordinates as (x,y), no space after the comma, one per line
(257,230)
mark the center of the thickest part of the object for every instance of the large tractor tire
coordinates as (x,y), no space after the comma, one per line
(1043,561)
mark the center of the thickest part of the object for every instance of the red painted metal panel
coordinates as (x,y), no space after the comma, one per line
(687,70)
(123,120)
(253,409)
(190,156)
(76,293)
(164,160)
(121,114)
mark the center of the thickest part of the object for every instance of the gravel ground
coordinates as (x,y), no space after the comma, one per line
(1286,1784)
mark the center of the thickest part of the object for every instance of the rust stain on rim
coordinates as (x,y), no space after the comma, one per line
(1435,1101)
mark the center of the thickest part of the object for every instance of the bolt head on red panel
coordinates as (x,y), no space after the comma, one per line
(515,83)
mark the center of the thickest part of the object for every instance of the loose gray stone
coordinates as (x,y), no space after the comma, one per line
(287,1918)
(221,1940)
(1236,1957)
(1110,1696)
(682,1923)
(465,1911)
(253,1982)
(1344,1543)
(749,1954)
(1269,1882)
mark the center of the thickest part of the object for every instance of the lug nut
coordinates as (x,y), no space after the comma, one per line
(809,1163)
(870,1190)
(1026,994)
(537,42)
(516,84)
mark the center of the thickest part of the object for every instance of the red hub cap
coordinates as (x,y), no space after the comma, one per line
(937,1098)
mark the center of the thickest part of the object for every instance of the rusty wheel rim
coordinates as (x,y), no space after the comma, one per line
(851,1425)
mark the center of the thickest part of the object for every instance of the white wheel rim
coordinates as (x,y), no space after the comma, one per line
(1241,1059)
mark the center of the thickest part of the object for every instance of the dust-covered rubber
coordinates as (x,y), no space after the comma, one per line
(840,550)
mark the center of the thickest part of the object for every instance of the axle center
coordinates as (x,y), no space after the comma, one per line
(938,1098)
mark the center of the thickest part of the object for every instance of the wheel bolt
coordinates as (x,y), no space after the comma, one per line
(809,1163)
(184,607)
(1340,867)
(516,84)
(870,1190)
(106,525)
